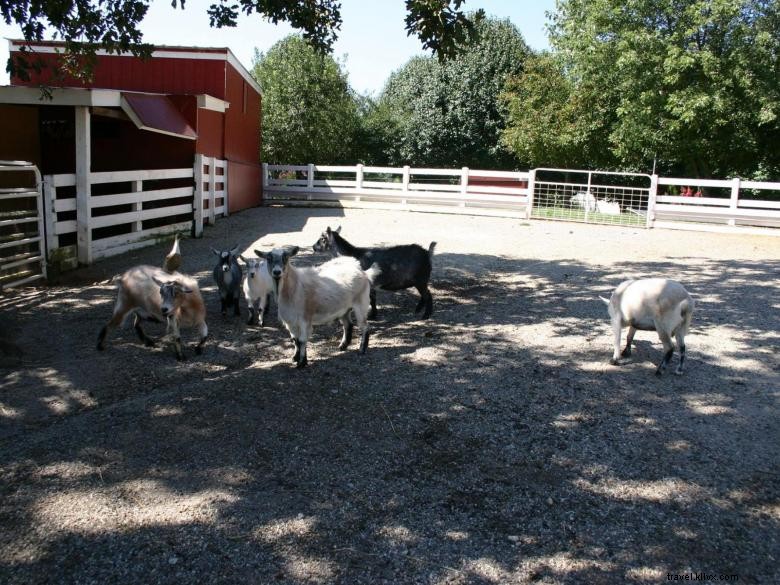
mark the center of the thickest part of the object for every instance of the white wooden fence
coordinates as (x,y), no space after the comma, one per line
(751,206)
(135,198)
(416,189)
(22,258)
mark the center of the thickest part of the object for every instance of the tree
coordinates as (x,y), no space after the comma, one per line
(551,122)
(309,112)
(113,25)
(447,113)
(694,84)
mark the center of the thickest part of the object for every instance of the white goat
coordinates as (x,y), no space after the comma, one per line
(257,289)
(312,296)
(152,293)
(652,304)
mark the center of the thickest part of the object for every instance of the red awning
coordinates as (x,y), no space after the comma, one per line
(156,113)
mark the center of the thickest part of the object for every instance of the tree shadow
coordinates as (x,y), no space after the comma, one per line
(489,444)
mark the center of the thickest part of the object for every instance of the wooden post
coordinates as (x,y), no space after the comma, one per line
(358,180)
(83,186)
(212,182)
(263,183)
(309,180)
(464,185)
(225,188)
(50,214)
(531,188)
(405,183)
(735,184)
(137,187)
(652,197)
(197,202)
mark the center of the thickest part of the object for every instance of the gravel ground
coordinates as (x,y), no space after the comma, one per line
(490,444)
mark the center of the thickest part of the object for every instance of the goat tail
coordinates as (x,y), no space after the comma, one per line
(373,272)
(431,247)
(686,311)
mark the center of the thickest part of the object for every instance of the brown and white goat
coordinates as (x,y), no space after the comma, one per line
(312,296)
(151,293)
(651,304)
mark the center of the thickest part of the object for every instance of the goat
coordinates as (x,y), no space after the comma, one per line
(651,304)
(257,289)
(151,293)
(311,296)
(227,275)
(400,266)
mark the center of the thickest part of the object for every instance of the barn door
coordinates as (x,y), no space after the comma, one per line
(22,237)
(591,196)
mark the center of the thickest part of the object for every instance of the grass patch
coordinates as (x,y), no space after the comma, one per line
(577,214)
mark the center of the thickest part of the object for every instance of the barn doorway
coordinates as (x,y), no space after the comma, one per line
(600,197)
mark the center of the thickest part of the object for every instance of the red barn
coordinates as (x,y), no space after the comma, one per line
(135,115)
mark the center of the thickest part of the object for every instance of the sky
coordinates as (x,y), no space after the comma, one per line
(372,41)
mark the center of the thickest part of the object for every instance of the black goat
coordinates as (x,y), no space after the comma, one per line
(400,266)
(227,275)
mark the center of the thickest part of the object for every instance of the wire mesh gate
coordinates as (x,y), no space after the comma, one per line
(591,196)
(22,237)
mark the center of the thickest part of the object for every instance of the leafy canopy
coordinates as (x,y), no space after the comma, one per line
(694,84)
(113,25)
(448,113)
(309,111)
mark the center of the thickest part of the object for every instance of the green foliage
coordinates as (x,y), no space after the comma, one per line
(309,111)
(114,25)
(693,83)
(448,114)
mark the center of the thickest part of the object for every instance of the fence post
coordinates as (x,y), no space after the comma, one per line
(358,180)
(464,185)
(263,182)
(50,214)
(137,187)
(309,180)
(405,183)
(83,186)
(225,189)
(212,185)
(531,187)
(197,220)
(652,195)
(735,184)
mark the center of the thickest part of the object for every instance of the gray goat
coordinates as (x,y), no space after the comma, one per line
(227,275)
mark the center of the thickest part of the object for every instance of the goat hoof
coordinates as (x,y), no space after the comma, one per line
(678,372)
(302,364)
(100,347)
(659,372)
(614,362)
(371,315)
(625,353)
(149,343)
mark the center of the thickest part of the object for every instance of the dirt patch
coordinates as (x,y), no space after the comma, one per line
(490,444)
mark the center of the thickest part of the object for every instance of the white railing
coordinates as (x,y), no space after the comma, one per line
(511,193)
(709,212)
(22,257)
(200,196)
(484,192)
(211,187)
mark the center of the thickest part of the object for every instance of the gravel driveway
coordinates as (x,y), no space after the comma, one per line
(491,444)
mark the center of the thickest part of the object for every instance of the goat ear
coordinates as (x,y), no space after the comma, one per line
(217,252)
(338,230)
(293,250)
(606,301)
(263,255)
(233,250)
(244,260)
(328,230)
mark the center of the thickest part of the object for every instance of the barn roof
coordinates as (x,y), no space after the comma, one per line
(159,51)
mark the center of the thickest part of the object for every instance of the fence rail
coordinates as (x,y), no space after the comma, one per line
(750,206)
(425,189)
(22,257)
(125,210)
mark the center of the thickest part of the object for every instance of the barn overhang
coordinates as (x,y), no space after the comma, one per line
(153,112)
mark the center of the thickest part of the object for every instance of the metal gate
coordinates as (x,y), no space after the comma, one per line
(22,237)
(591,196)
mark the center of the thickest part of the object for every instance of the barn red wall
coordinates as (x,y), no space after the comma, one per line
(210,133)
(243,185)
(242,119)
(19,138)
(156,75)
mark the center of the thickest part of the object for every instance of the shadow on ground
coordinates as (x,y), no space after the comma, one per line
(490,444)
